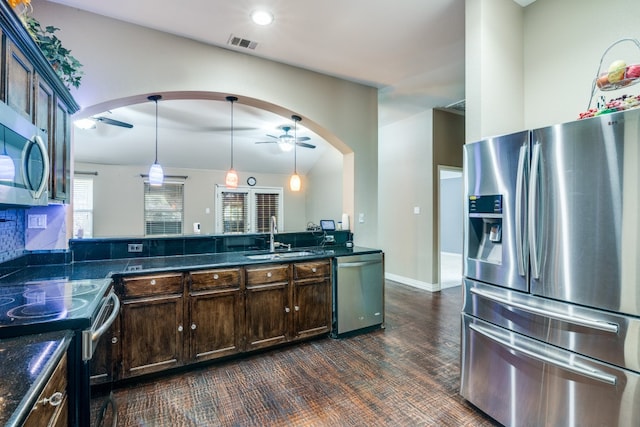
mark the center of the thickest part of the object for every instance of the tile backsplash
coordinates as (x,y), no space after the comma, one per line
(12,239)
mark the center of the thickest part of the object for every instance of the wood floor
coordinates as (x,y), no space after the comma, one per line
(404,375)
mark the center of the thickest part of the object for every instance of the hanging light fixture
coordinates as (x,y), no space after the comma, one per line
(231,180)
(294,182)
(156,175)
(7,168)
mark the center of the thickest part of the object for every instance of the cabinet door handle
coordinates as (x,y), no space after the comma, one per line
(313,270)
(153,281)
(287,309)
(269,274)
(180,328)
(54,400)
(193,326)
(296,308)
(114,340)
(215,276)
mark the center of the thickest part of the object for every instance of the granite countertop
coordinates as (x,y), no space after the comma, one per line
(102,270)
(27,364)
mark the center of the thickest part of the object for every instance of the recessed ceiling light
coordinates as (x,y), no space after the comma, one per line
(262,17)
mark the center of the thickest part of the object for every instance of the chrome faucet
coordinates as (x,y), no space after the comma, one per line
(273,230)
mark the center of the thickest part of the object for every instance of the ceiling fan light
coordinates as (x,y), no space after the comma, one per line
(7,168)
(285,146)
(261,17)
(231,180)
(85,124)
(294,182)
(156,175)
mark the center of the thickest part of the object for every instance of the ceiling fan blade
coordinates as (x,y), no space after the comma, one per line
(304,144)
(113,122)
(271,136)
(266,142)
(303,138)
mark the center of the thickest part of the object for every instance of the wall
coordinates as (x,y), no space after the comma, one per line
(12,241)
(563,43)
(127,61)
(494,68)
(120,213)
(451,215)
(324,190)
(410,152)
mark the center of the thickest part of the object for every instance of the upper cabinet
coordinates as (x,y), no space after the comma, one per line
(30,86)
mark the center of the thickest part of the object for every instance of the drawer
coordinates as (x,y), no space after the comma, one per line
(267,274)
(140,286)
(213,279)
(52,400)
(306,270)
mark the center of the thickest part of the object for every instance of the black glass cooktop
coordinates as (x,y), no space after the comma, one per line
(45,305)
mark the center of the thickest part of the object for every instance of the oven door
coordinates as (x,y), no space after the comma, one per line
(105,318)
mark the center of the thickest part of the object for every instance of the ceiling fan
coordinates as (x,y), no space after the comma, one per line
(286,140)
(90,122)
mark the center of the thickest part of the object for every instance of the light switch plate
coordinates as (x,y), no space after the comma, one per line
(37,221)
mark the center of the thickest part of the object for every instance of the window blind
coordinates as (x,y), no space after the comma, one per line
(235,212)
(163,209)
(266,206)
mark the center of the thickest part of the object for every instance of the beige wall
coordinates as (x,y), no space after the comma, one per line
(324,189)
(410,152)
(124,61)
(120,213)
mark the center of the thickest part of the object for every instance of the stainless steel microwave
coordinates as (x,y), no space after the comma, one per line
(24,161)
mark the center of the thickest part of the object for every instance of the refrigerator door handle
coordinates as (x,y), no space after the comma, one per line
(581,321)
(521,236)
(533,211)
(562,364)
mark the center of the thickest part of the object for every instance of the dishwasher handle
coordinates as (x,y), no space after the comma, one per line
(357,264)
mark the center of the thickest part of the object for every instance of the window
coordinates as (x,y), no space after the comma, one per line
(82,207)
(163,209)
(247,210)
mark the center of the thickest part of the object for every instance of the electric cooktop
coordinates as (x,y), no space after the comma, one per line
(45,305)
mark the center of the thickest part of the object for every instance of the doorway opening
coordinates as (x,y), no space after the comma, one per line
(450,226)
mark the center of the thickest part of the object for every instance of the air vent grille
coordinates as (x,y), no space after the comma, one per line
(240,42)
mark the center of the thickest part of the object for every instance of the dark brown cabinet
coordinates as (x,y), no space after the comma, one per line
(61,155)
(152,326)
(216,308)
(107,353)
(168,320)
(52,408)
(267,305)
(311,299)
(19,81)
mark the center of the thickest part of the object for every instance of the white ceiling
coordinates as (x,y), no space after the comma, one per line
(412,50)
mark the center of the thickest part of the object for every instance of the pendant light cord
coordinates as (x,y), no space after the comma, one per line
(232,99)
(156,101)
(296,119)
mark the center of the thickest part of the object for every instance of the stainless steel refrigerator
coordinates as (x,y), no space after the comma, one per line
(551,312)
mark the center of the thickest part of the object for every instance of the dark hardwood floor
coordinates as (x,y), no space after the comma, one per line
(404,375)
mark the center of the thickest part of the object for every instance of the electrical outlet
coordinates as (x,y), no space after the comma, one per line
(135,247)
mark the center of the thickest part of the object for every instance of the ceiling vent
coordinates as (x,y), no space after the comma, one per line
(240,42)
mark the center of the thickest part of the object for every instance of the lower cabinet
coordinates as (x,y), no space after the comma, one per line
(152,326)
(267,305)
(168,320)
(52,406)
(216,310)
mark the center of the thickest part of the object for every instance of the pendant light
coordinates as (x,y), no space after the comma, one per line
(156,175)
(231,180)
(294,182)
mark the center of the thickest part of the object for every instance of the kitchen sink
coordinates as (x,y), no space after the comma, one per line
(279,255)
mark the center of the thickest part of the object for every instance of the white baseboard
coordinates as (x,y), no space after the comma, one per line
(431,287)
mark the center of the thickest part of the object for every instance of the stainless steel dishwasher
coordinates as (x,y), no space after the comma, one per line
(358,293)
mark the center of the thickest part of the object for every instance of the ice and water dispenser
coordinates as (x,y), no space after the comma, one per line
(485,228)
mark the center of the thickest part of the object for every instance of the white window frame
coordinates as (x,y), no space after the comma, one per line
(87,230)
(251,201)
(144,203)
